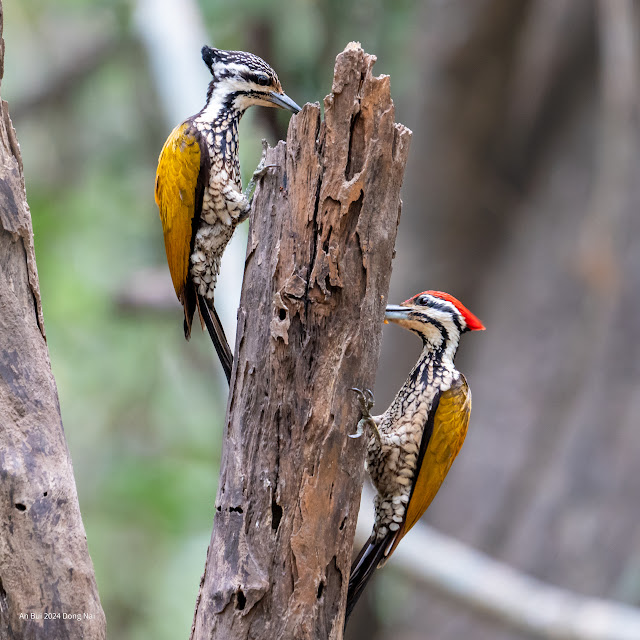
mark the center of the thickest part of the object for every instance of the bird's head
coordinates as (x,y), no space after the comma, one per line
(437,317)
(242,79)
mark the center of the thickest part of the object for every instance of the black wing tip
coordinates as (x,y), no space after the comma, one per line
(190,304)
(216,333)
(362,570)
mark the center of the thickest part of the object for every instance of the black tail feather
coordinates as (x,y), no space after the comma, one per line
(216,332)
(362,569)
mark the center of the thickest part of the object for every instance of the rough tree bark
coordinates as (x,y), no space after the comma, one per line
(317,272)
(44,561)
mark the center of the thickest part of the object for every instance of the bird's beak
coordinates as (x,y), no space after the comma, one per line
(396,312)
(283,101)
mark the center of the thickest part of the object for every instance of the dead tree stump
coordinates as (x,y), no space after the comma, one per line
(46,575)
(318,265)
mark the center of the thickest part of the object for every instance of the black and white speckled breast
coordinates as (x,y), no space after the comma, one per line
(392,466)
(223,206)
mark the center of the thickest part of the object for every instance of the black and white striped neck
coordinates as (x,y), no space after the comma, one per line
(220,110)
(435,361)
(440,343)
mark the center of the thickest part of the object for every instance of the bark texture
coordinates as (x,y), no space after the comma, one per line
(318,266)
(45,567)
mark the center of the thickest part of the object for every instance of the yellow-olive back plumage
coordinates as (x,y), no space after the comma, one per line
(450,424)
(179,166)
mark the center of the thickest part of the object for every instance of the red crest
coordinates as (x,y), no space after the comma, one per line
(473,323)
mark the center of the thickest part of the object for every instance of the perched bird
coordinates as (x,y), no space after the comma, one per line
(414,442)
(198,186)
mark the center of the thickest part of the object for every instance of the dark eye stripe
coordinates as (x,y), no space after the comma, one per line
(445,308)
(440,306)
(257,78)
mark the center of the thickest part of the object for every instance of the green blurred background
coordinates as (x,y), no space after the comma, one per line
(521,197)
(142,408)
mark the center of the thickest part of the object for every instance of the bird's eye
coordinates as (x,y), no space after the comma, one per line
(263,79)
(422,300)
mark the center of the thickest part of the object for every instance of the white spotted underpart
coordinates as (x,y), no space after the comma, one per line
(223,205)
(392,466)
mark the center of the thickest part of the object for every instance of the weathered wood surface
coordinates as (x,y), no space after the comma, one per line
(44,560)
(318,265)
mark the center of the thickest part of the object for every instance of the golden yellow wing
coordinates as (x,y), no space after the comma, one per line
(450,423)
(179,198)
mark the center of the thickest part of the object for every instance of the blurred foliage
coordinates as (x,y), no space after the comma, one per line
(141,407)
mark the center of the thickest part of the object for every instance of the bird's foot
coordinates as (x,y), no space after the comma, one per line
(260,171)
(366,400)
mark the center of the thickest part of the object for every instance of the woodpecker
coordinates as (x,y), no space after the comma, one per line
(414,442)
(198,187)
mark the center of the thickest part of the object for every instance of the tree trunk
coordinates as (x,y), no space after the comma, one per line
(46,575)
(318,265)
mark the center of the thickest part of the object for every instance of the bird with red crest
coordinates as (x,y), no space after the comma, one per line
(413,444)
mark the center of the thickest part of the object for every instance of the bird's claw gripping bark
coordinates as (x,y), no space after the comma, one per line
(260,171)
(366,400)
